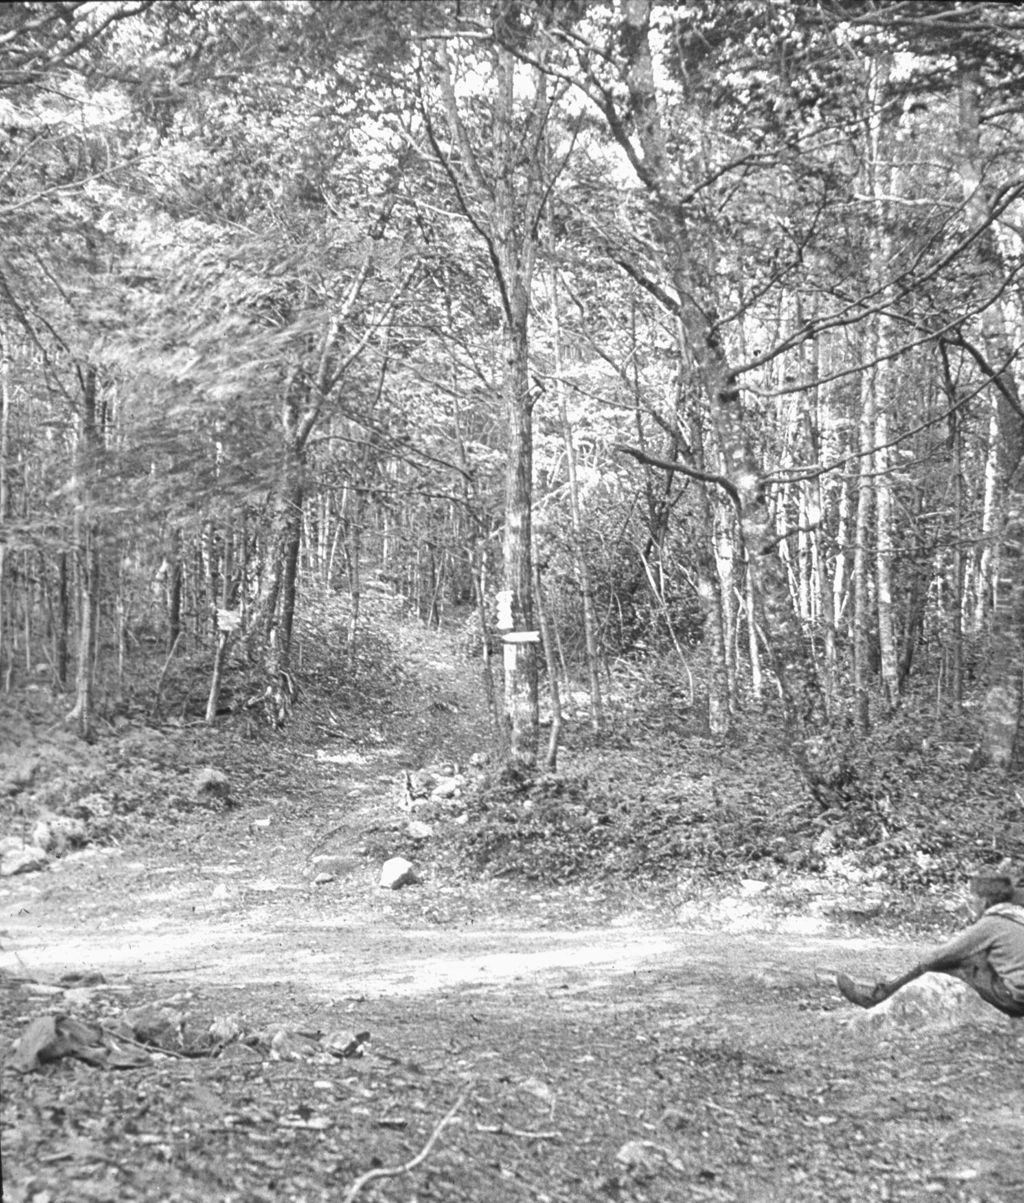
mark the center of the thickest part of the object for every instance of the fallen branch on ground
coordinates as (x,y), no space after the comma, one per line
(503,1130)
(420,1157)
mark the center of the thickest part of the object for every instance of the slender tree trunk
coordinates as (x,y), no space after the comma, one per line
(511,192)
(272,624)
(490,691)
(822,574)
(1002,742)
(208,552)
(713,603)
(753,647)
(174,588)
(884,554)
(985,563)
(883,179)
(724,543)
(86,540)
(521,698)
(957,665)
(290,583)
(692,273)
(551,661)
(862,613)
(353,557)
(580,563)
(62,652)
(6,648)
(219,659)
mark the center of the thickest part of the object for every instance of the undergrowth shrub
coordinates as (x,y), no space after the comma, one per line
(912,804)
(894,806)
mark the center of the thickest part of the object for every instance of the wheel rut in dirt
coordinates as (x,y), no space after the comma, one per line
(332,958)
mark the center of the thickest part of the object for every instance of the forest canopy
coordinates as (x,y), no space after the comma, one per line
(687,333)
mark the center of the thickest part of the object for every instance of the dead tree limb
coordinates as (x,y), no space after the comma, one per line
(421,1156)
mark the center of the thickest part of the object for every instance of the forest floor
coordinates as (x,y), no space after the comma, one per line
(561,1043)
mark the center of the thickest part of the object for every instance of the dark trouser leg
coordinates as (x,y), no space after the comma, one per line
(983,979)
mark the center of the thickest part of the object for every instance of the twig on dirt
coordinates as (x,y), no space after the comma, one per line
(420,1157)
(502,1130)
(176,969)
(152,1049)
(325,837)
(717,1107)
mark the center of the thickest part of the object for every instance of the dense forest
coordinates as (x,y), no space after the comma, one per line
(675,335)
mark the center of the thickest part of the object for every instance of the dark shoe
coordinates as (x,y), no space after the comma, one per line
(862,996)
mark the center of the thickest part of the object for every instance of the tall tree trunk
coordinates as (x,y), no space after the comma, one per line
(883,181)
(273,622)
(580,563)
(985,563)
(87,549)
(290,583)
(884,554)
(957,665)
(958,604)
(62,648)
(822,591)
(174,588)
(1002,742)
(353,560)
(862,611)
(521,697)
(695,299)
(551,661)
(6,641)
(490,691)
(502,188)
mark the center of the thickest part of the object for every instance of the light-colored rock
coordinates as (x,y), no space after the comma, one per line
(931,1001)
(323,879)
(397,872)
(42,989)
(26,859)
(803,925)
(59,833)
(212,783)
(225,1028)
(418,830)
(420,783)
(645,1159)
(17,775)
(42,835)
(750,887)
(448,787)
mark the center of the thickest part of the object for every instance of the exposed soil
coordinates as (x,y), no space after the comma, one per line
(595,1044)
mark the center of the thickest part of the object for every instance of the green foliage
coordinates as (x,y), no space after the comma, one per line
(911,804)
(555,829)
(542,828)
(898,807)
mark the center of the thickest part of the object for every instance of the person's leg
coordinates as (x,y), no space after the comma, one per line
(861,995)
(978,973)
(871,996)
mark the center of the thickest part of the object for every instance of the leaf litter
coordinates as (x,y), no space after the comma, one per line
(716,1064)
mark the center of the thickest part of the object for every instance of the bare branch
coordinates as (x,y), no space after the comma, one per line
(674,465)
(421,1156)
